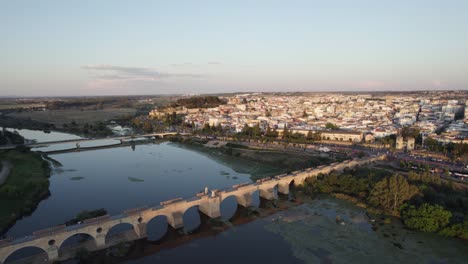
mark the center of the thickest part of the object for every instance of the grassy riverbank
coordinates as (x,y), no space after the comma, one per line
(26,186)
(281,161)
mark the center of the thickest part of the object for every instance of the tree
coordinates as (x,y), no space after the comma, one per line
(206,128)
(433,144)
(256,130)
(147,126)
(409,132)
(331,126)
(427,218)
(305,115)
(457,230)
(309,136)
(219,129)
(247,131)
(391,192)
(285,132)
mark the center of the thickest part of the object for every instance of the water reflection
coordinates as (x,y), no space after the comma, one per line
(191,219)
(41,136)
(228,208)
(120,232)
(156,228)
(26,254)
(164,172)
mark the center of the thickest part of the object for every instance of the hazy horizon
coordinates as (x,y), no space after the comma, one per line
(87,48)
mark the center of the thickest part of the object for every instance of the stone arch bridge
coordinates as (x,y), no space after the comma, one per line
(51,240)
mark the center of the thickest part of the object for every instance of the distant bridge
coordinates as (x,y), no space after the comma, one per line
(82,140)
(51,240)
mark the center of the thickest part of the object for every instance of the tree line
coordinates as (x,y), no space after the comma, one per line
(421,200)
(199,102)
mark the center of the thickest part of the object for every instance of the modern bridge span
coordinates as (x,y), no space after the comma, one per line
(51,240)
(82,140)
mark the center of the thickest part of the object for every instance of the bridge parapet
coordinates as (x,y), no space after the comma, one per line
(173,209)
(172,201)
(49,231)
(97,219)
(135,211)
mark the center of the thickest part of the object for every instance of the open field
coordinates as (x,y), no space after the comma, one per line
(6,106)
(60,117)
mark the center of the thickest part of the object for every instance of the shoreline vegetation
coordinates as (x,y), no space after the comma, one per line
(421,200)
(26,186)
(284,162)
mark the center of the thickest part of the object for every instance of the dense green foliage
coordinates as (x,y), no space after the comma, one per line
(94,103)
(391,192)
(331,126)
(407,132)
(98,129)
(427,218)
(456,230)
(8,137)
(26,185)
(199,102)
(454,150)
(423,200)
(355,182)
(210,130)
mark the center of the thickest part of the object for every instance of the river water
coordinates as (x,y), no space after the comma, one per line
(127,177)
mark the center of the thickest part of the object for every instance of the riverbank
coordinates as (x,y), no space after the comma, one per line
(26,185)
(95,130)
(282,161)
(420,200)
(299,232)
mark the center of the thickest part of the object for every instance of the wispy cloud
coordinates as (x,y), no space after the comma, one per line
(111,75)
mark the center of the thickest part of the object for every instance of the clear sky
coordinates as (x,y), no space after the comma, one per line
(158,47)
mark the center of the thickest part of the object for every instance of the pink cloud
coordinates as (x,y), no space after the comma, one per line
(436,83)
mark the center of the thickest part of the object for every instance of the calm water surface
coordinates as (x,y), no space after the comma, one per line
(41,136)
(309,234)
(122,178)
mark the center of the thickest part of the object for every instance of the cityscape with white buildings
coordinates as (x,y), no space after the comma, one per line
(439,115)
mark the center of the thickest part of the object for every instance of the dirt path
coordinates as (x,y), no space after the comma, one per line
(6,168)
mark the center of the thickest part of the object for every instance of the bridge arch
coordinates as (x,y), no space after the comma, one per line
(191,219)
(75,242)
(120,231)
(22,254)
(156,227)
(292,190)
(228,207)
(255,196)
